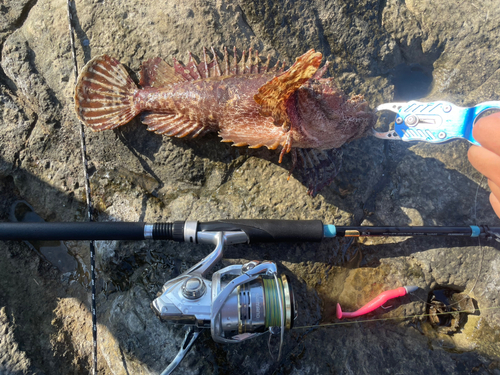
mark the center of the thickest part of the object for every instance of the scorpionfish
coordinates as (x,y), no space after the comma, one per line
(247,104)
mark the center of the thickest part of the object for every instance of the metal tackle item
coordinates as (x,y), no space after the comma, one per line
(239,303)
(435,122)
(191,335)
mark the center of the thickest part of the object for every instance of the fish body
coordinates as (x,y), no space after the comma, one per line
(246,104)
(220,104)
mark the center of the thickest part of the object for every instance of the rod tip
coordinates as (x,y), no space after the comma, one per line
(339,311)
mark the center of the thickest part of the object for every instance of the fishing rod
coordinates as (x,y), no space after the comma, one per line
(257,230)
(240,301)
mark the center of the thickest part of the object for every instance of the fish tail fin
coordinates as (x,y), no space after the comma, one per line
(104,94)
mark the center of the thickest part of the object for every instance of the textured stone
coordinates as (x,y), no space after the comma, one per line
(386,50)
(12,360)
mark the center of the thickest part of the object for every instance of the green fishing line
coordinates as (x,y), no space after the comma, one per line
(271,297)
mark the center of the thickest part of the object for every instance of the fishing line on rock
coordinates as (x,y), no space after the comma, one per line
(425,302)
(382,298)
(478,239)
(481,249)
(387,319)
(87,197)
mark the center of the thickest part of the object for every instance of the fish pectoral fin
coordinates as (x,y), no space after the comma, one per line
(273,95)
(316,168)
(157,73)
(173,125)
(254,134)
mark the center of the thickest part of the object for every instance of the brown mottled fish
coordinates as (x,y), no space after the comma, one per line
(247,104)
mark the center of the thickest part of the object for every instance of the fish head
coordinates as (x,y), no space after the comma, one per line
(323,117)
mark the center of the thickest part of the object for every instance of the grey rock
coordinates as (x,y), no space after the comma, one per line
(385,50)
(12,360)
(12,15)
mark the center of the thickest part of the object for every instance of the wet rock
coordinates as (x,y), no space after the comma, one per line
(387,51)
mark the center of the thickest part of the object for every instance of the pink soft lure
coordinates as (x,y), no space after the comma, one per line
(376,302)
(245,103)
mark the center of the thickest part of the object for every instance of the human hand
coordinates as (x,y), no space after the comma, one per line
(486,159)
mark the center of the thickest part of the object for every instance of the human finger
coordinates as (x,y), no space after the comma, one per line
(487,132)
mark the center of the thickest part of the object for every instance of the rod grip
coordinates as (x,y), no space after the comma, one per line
(270,230)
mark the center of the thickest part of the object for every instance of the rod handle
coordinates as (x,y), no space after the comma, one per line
(71,231)
(270,230)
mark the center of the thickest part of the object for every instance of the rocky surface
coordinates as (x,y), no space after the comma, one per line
(386,50)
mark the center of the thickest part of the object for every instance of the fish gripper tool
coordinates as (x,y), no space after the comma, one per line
(434,122)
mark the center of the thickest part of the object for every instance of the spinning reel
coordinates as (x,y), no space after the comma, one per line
(239,303)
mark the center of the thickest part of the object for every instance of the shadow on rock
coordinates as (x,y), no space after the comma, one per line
(136,337)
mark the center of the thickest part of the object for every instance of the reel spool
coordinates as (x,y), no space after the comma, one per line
(251,308)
